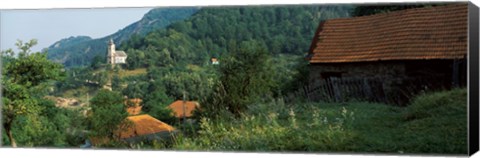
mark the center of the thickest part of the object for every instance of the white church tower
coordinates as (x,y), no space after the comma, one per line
(111,52)
(113,56)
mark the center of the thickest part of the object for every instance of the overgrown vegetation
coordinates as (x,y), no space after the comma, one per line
(260,51)
(176,59)
(26,78)
(108,112)
(433,123)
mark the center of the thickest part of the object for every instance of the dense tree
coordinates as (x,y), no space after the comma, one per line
(20,75)
(97,62)
(116,83)
(107,115)
(245,78)
(215,32)
(136,89)
(61,126)
(135,59)
(156,103)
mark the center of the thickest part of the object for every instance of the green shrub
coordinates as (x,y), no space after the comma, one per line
(273,130)
(438,104)
(439,121)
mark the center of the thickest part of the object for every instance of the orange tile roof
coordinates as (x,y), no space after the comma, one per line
(134,110)
(140,125)
(421,33)
(177,108)
(144,125)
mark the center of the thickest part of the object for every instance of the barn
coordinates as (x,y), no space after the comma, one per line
(390,55)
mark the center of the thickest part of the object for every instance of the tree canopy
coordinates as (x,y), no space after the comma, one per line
(24,76)
(107,114)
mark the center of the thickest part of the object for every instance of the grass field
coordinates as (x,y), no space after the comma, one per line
(126,73)
(433,124)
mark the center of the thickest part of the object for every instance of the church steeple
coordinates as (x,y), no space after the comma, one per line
(111,52)
(115,57)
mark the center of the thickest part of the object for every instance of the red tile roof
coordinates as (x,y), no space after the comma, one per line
(139,125)
(421,33)
(177,108)
(144,125)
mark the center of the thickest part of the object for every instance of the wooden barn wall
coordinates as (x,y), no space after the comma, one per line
(392,78)
(380,69)
(440,69)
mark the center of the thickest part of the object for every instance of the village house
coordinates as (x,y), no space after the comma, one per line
(139,127)
(143,126)
(426,45)
(146,128)
(183,109)
(133,105)
(214,61)
(115,56)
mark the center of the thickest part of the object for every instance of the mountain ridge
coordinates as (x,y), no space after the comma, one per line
(71,51)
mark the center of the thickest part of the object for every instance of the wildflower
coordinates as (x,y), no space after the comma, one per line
(344,111)
(315,116)
(291,113)
(272,115)
(292,118)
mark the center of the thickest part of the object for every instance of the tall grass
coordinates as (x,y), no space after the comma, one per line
(275,129)
(433,123)
(439,121)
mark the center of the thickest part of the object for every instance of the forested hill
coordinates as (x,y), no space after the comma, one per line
(79,51)
(214,31)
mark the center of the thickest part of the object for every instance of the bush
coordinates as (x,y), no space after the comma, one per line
(433,123)
(439,121)
(245,78)
(438,104)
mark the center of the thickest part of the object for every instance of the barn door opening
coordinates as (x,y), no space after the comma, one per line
(331,80)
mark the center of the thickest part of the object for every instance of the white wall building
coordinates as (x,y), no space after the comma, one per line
(115,56)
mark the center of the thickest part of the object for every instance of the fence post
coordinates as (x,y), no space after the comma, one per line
(336,90)
(307,91)
(367,90)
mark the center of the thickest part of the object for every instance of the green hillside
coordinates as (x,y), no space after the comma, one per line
(242,98)
(212,32)
(79,51)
